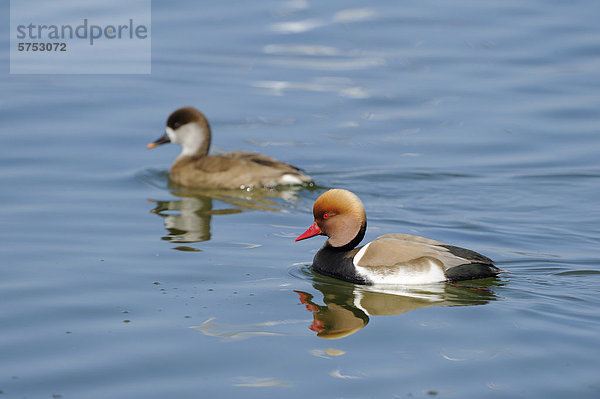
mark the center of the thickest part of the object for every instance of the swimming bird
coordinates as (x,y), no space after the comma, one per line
(189,128)
(391,259)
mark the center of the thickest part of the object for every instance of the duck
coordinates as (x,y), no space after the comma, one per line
(194,168)
(391,259)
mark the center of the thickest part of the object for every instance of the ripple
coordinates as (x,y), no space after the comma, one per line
(302,271)
(354,15)
(338,374)
(260,382)
(292,27)
(344,87)
(157,178)
(578,273)
(308,50)
(234,332)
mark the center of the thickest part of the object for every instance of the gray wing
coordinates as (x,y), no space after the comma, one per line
(403,250)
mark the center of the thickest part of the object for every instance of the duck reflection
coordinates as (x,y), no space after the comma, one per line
(187,218)
(347,307)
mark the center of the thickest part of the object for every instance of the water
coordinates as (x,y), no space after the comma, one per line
(472,123)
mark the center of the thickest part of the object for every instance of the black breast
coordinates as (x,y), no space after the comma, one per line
(337,263)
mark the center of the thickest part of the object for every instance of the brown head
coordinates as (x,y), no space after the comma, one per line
(189,128)
(340,215)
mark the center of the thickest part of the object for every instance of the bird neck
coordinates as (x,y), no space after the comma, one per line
(194,139)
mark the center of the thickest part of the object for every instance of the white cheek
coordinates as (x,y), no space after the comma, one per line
(189,136)
(171,134)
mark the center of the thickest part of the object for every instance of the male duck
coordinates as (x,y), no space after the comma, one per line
(391,259)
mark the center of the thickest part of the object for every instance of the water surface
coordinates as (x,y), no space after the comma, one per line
(471,123)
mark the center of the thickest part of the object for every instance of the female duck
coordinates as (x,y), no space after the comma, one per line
(389,259)
(195,168)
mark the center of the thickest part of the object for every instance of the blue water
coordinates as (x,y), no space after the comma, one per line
(472,123)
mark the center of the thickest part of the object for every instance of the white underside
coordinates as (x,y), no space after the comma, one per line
(290,179)
(401,276)
(429,272)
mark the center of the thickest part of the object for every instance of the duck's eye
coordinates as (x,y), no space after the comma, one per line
(325,216)
(176,125)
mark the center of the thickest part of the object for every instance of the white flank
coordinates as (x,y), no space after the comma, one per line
(290,179)
(431,273)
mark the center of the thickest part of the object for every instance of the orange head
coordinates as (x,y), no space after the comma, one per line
(340,215)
